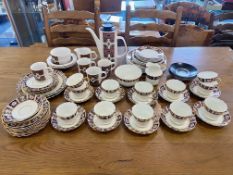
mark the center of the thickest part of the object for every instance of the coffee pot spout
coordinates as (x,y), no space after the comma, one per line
(98,42)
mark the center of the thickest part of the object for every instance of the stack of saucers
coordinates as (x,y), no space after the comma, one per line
(79,89)
(104,117)
(145,54)
(61,58)
(110,90)
(206,85)
(174,90)
(143,92)
(26,115)
(42,81)
(213,111)
(141,119)
(68,116)
(179,117)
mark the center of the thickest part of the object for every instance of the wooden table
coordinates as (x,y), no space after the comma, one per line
(206,150)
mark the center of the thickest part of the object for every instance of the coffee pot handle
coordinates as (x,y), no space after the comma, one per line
(125,45)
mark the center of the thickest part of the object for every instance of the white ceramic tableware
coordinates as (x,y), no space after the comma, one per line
(149,54)
(174,88)
(142,113)
(180,112)
(66,110)
(143,89)
(207,76)
(25,110)
(75,80)
(95,75)
(153,73)
(127,75)
(106,65)
(85,63)
(85,52)
(61,55)
(104,110)
(41,71)
(110,88)
(214,108)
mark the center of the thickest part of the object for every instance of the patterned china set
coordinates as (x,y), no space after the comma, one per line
(139,80)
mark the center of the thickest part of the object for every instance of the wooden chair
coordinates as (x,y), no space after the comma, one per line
(192,12)
(164,40)
(191,35)
(68,27)
(223,30)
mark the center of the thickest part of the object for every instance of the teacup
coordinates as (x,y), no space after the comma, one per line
(104,110)
(66,110)
(81,91)
(174,88)
(109,88)
(41,71)
(85,63)
(208,76)
(143,89)
(85,52)
(95,75)
(153,73)
(60,55)
(142,114)
(106,65)
(214,108)
(180,112)
(206,88)
(75,80)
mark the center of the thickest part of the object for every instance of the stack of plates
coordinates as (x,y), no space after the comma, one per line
(26,115)
(49,88)
(145,54)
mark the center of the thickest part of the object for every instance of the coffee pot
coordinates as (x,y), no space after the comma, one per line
(107,43)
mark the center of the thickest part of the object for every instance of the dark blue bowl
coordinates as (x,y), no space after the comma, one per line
(183,71)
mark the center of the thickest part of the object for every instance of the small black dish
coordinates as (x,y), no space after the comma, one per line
(183,71)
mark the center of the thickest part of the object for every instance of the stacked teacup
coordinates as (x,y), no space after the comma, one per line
(142,115)
(207,81)
(78,84)
(143,91)
(110,88)
(174,89)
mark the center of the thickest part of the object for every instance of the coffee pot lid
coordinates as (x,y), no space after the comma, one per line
(107,26)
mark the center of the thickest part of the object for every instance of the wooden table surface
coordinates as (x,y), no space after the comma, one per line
(206,150)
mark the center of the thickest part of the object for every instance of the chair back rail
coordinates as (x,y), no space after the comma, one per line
(153,27)
(69,27)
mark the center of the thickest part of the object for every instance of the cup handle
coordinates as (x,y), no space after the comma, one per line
(103,75)
(93,55)
(113,66)
(93,63)
(125,45)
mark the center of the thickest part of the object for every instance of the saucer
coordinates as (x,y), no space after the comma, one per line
(63,66)
(183,71)
(132,96)
(120,94)
(56,90)
(153,124)
(79,120)
(187,126)
(35,84)
(25,110)
(194,89)
(222,121)
(93,122)
(70,96)
(162,93)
